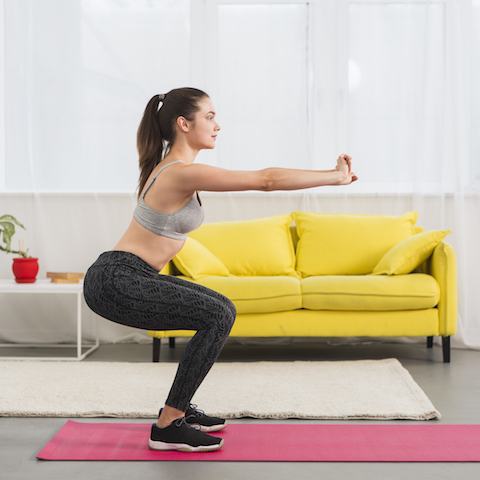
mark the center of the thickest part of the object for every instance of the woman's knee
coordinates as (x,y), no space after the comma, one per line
(231,308)
(227,316)
(230,312)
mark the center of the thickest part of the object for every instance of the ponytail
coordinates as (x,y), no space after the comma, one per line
(149,142)
(156,132)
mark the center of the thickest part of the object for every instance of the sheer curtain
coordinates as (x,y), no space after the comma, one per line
(409,122)
(295,83)
(263,85)
(397,96)
(78,75)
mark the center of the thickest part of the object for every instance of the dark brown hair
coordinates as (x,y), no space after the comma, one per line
(156,132)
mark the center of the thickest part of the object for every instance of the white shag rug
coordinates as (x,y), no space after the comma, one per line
(364,389)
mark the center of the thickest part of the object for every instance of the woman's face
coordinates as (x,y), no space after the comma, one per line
(204,128)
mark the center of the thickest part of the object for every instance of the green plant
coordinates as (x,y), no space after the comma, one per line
(7,230)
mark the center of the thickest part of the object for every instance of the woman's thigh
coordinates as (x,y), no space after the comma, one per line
(152,301)
(202,290)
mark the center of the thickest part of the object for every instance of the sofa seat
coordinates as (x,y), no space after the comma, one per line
(256,294)
(370,293)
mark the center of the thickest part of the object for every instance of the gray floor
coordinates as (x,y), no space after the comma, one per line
(453,388)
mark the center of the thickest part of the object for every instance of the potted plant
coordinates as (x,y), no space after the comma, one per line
(25,268)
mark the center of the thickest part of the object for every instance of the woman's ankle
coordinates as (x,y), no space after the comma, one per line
(168,416)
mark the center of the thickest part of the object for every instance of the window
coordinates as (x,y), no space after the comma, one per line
(295,83)
(263,85)
(396,108)
(78,75)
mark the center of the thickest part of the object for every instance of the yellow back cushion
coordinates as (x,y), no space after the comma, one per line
(347,244)
(410,253)
(196,261)
(253,247)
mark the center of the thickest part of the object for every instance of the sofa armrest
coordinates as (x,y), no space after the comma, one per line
(442,265)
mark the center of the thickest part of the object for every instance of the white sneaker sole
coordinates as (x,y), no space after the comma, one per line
(212,428)
(182,447)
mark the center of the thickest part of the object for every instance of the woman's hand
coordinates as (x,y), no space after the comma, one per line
(344,165)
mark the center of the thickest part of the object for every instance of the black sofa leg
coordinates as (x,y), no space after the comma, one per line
(446,349)
(171,342)
(429,342)
(156,350)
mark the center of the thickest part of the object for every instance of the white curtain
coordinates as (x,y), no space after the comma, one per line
(392,83)
(409,122)
(263,86)
(78,75)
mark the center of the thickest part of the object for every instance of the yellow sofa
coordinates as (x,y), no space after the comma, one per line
(325,275)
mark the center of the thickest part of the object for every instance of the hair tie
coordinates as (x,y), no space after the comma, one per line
(161,97)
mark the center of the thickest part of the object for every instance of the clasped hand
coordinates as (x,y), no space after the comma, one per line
(344,165)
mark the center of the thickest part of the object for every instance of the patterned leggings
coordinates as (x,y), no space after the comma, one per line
(121,287)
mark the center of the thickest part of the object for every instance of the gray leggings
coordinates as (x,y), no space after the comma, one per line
(121,287)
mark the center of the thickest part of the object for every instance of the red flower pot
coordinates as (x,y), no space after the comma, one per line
(25,269)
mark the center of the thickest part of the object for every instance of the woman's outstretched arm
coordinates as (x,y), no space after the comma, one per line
(288,179)
(203,177)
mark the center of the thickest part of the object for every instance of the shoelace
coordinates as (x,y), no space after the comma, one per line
(182,421)
(197,411)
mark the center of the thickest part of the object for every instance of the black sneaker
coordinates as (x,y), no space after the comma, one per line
(182,437)
(199,419)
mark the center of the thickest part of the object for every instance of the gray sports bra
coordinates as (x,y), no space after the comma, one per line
(176,225)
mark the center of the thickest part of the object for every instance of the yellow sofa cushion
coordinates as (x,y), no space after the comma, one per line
(256,294)
(410,253)
(261,247)
(370,293)
(347,244)
(196,261)
(328,323)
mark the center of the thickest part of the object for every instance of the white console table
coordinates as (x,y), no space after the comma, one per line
(47,287)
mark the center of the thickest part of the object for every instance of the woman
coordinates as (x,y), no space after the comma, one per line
(124,285)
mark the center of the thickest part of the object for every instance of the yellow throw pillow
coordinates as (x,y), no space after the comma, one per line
(409,253)
(260,247)
(336,244)
(196,261)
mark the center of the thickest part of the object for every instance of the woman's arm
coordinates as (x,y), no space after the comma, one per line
(287,179)
(203,177)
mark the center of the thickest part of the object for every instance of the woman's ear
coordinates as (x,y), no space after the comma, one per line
(183,124)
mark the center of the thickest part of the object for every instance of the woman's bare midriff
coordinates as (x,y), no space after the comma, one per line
(154,249)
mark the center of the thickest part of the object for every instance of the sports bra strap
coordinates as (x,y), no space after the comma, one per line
(156,175)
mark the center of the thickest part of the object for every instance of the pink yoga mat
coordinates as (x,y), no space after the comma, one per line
(276,443)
